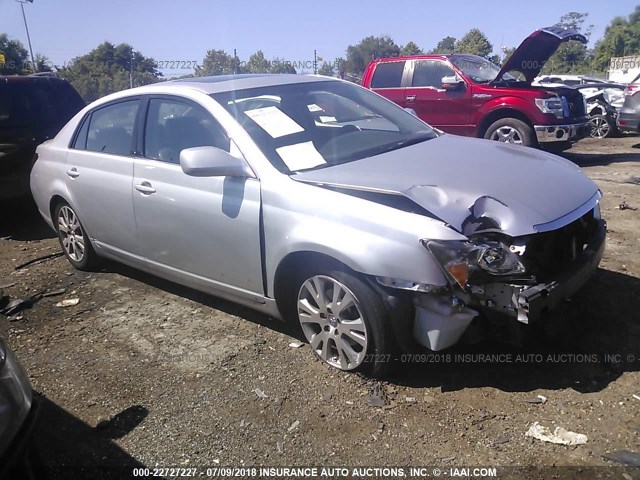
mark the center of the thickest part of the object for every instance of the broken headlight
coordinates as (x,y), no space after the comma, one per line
(460,259)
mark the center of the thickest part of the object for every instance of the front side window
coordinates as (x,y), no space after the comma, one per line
(429,73)
(110,128)
(173,125)
(311,125)
(387,75)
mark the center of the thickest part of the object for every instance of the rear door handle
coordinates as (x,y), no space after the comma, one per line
(73,172)
(145,187)
(411,98)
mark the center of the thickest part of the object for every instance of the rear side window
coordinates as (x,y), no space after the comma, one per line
(387,75)
(110,129)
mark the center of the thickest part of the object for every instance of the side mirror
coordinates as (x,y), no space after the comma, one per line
(212,162)
(453,82)
(411,111)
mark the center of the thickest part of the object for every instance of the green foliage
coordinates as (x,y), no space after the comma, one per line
(217,62)
(327,69)
(16,57)
(107,69)
(445,46)
(572,56)
(475,43)
(621,38)
(411,49)
(257,63)
(280,65)
(369,48)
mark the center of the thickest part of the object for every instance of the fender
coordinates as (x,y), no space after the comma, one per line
(509,102)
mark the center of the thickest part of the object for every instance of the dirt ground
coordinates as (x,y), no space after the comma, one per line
(142,372)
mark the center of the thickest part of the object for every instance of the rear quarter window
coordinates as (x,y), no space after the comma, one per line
(387,75)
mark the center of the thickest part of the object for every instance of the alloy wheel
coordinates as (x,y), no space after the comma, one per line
(332,322)
(507,134)
(71,235)
(599,127)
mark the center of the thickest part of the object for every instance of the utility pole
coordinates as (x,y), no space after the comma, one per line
(235,62)
(131,69)
(315,62)
(26,27)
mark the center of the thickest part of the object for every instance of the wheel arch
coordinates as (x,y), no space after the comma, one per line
(498,114)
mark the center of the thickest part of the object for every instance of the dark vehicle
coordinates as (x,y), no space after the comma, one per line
(629,114)
(32,109)
(468,95)
(603,102)
(17,415)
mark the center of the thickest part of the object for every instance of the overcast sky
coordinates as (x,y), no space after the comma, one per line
(172,30)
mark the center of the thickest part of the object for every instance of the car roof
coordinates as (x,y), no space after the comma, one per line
(225,83)
(418,57)
(30,79)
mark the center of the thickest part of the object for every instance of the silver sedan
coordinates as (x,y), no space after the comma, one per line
(316,200)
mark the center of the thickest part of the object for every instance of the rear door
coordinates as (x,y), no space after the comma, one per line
(448,110)
(100,172)
(387,80)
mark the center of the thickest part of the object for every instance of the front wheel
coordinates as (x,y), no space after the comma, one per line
(345,321)
(511,130)
(74,239)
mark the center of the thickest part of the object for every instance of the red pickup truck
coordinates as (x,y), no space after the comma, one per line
(468,95)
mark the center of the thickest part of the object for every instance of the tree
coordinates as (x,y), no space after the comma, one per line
(43,64)
(445,46)
(16,57)
(572,56)
(506,54)
(411,49)
(621,38)
(369,48)
(475,43)
(217,62)
(280,65)
(257,63)
(327,69)
(109,68)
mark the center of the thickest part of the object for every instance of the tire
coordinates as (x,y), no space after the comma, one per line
(73,238)
(368,345)
(601,127)
(511,130)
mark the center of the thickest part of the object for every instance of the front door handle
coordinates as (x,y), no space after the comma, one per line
(73,172)
(145,187)
(411,98)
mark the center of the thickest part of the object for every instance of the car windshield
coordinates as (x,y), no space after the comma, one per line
(311,125)
(477,68)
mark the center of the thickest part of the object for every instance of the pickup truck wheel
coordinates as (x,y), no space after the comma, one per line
(511,130)
(345,321)
(73,238)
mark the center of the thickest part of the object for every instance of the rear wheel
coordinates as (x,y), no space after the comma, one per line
(511,130)
(601,127)
(74,239)
(345,321)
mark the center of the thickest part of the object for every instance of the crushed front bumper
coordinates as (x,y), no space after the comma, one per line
(562,133)
(529,303)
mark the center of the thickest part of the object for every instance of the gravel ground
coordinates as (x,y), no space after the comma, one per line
(142,372)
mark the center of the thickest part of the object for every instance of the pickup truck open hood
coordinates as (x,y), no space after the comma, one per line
(472,185)
(536,49)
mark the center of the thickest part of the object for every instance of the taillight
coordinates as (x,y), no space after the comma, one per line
(631,90)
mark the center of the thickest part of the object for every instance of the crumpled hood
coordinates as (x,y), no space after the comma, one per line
(473,185)
(536,49)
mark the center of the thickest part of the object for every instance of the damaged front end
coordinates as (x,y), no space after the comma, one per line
(503,278)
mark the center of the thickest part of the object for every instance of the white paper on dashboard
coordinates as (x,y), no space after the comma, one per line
(300,156)
(274,121)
